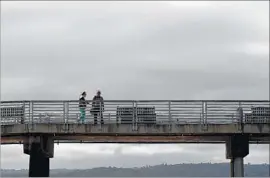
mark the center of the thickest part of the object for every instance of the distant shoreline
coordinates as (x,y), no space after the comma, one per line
(146,166)
(163,170)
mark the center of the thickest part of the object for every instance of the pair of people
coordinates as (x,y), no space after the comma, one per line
(97,107)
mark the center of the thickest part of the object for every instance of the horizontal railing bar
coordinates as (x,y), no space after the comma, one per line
(209,101)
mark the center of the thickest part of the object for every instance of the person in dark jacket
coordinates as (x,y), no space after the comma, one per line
(98,107)
(82,105)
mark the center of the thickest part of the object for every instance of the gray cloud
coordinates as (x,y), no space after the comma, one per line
(61,47)
(88,156)
(157,50)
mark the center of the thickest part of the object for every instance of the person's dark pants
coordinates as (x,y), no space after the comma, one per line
(96,114)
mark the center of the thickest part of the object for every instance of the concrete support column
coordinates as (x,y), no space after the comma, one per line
(238,167)
(237,147)
(39,163)
(232,168)
(40,149)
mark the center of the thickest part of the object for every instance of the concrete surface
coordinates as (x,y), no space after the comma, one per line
(114,129)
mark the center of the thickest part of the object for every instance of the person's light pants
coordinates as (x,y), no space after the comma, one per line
(82,117)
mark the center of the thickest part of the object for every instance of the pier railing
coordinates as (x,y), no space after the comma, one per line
(138,112)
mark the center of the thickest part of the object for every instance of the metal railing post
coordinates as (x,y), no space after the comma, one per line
(29,116)
(133,115)
(99,115)
(67,112)
(170,116)
(32,111)
(202,114)
(117,117)
(100,112)
(240,116)
(64,111)
(241,112)
(23,114)
(206,106)
(136,115)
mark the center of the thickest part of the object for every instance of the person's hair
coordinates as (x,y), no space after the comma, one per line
(84,93)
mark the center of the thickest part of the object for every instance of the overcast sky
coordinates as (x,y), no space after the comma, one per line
(134,50)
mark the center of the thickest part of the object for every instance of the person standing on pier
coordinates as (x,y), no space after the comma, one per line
(82,105)
(98,107)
